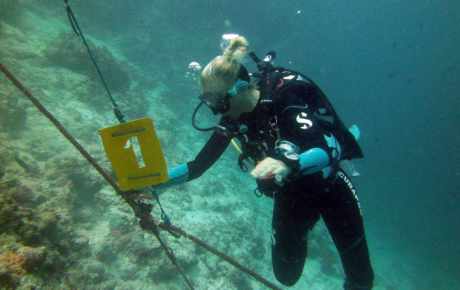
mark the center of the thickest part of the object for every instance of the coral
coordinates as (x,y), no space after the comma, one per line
(33,257)
(12,113)
(68,51)
(258,248)
(22,194)
(32,228)
(106,254)
(165,273)
(26,163)
(38,226)
(7,280)
(16,218)
(239,280)
(10,270)
(84,183)
(10,212)
(95,272)
(15,264)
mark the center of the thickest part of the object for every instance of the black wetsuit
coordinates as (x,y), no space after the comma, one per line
(303,199)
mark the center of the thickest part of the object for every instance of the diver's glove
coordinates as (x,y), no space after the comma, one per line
(177,175)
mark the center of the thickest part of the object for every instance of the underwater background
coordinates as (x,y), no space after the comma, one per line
(392,67)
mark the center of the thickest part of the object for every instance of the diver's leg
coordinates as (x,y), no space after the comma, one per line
(289,240)
(342,215)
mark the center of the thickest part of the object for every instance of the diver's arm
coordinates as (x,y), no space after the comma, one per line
(320,158)
(288,162)
(213,149)
(310,160)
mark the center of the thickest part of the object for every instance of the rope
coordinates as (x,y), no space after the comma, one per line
(142,211)
(76,28)
(118,114)
(220,254)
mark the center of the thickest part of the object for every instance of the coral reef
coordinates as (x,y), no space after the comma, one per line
(84,183)
(36,236)
(11,269)
(12,112)
(68,51)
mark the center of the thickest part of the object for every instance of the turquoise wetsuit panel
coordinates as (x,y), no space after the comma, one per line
(177,175)
(317,159)
(313,160)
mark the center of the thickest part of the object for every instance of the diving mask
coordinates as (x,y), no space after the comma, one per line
(220,103)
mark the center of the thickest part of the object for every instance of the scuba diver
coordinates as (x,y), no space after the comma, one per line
(287,127)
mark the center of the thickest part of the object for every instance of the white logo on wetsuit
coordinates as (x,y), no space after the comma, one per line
(303,121)
(350,186)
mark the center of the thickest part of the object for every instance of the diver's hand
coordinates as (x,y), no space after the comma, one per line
(270,168)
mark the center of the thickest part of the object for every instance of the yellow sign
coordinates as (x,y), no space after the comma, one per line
(135,153)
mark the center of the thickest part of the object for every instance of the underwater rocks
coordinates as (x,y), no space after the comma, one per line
(68,51)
